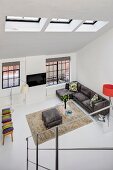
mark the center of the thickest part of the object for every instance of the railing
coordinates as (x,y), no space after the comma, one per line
(57,149)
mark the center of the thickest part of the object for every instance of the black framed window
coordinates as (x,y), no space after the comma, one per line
(57,70)
(22,19)
(60,21)
(10,74)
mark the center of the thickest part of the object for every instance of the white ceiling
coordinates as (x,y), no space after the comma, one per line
(20,44)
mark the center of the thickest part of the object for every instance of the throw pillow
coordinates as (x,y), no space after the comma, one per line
(97,101)
(73,86)
(94,98)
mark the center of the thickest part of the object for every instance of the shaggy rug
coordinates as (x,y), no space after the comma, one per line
(69,122)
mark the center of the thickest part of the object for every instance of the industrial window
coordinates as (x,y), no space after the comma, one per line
(57,70)
(10,74)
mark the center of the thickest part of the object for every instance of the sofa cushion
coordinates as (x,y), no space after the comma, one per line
(80,96)
(87,104)
(62,92)
(86,91)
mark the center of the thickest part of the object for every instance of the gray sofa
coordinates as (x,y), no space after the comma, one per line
(83,97)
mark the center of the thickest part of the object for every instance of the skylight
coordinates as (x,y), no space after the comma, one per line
(22,19)
(62,25)
(90,22)
(62,21)
(91,26)
(20,23)
(37,24)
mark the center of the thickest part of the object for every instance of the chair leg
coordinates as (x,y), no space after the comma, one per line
(12,136)
(3,139)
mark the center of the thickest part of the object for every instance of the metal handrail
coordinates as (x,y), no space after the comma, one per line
(64,149)
(60,149)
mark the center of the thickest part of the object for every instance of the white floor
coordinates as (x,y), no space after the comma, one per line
(13,155)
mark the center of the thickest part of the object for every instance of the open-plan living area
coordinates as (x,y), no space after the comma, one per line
(56,85)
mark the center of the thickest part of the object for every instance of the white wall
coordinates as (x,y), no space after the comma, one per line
(95,63)
(33,65)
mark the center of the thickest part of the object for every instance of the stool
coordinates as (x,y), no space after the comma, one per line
(7,129)
(51,118)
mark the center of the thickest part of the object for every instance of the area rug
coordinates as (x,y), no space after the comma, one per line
(69,122)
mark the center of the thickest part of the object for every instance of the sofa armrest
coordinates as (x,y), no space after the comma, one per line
(100,105)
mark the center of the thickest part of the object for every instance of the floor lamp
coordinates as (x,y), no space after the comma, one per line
(108,91)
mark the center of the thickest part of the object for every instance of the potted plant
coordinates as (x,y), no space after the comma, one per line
(65,98)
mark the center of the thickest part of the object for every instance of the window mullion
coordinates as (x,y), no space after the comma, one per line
(65,69)
(13,77)
(8,77)
(53,73)
(57,72)
(61,69)
(2,77)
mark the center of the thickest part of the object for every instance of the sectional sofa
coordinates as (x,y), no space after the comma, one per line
(83,97)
